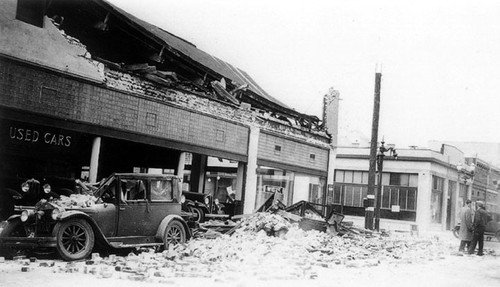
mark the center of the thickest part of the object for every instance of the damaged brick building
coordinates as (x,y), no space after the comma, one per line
(87,89)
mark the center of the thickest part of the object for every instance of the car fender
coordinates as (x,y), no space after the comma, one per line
(166,221)
(14,216)
(190,203)
(198,205)
(68,214)
(202,206)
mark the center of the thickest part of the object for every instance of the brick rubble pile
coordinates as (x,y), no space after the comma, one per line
(250,251)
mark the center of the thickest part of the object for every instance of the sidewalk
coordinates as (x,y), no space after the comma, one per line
(447,236)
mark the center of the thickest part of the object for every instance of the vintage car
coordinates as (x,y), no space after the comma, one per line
(127,210)
(196,203)
(203,206)
(493,227)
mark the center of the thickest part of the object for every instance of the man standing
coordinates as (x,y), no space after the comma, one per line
(465,233)
(481,218)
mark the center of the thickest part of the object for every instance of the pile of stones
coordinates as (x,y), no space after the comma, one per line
(250,251)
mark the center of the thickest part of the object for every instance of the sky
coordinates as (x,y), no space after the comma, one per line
(440,60)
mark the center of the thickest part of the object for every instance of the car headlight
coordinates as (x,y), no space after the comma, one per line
(183,198)
(25,215)
(55,214)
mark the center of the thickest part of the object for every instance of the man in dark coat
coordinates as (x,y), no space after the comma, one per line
(8,198)
(481,218)
(48,194)
(465,233)
(30,192)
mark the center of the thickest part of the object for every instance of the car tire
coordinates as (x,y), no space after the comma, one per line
(199,214)
(497,235)
(175,233)
(74,239)
(13,228)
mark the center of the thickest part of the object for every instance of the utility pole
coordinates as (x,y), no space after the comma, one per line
(370,209)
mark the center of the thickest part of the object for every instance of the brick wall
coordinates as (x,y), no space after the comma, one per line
(22,87)
(129,103)
(136,85)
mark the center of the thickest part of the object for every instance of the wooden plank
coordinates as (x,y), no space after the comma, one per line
(135,67)
(289,215)
(219,89)
(164,74)
(158,80)
(211,215)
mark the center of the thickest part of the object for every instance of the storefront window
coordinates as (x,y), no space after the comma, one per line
(317,190)
(221,185)
(437,199)
(309,188)
(271,181)
(399,189)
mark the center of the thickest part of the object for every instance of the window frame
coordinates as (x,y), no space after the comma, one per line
(150,190)
(31,12)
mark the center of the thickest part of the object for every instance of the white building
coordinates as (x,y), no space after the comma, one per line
(422,189)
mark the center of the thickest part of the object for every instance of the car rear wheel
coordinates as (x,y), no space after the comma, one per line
(13,228)
(175,233)
(75,239)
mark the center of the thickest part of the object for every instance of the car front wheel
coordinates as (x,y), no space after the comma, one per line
(199,214)
(14,228)
(75,239)
(175,233)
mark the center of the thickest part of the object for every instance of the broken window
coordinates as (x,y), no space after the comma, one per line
(31,11)
(161,190)
(133,190)
(108,190)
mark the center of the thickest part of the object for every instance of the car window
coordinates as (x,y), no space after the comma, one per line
(108,193)
(161,190)
(132,189)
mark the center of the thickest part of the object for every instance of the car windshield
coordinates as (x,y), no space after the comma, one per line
(104,186)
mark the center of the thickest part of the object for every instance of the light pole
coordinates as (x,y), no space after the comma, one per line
(380,167)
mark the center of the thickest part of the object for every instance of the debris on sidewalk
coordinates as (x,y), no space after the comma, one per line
(257,245)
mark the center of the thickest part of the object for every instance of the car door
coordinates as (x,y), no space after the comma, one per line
(134,209)
(163,201)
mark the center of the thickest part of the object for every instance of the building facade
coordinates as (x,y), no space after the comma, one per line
(87,89)
(485,185)
(486,159)
(422,189)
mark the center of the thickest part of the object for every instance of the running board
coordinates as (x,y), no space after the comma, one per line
(122,245)
(133,241)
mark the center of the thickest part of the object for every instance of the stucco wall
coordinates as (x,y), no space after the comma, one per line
(44,46)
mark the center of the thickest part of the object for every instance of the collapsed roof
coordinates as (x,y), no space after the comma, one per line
(123,41)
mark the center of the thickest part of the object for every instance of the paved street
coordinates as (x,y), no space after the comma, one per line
(260,260)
